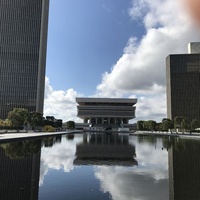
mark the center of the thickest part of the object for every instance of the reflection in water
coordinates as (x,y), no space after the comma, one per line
(50,141)
(19,170)
(184,170)
(152,139)
(104,149)
(148,180)
(109,169)
(70,136)
(59,157)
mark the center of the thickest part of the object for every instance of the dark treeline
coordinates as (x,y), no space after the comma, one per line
(181,123)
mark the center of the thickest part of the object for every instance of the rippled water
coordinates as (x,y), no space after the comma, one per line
(101,166)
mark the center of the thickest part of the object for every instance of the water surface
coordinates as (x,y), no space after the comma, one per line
(101,166)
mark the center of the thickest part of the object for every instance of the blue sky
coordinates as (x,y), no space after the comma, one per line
(85,39)
(113,48)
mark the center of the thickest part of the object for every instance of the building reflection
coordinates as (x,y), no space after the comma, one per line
(184,170)
(50,141)
(105,149)
(19,170)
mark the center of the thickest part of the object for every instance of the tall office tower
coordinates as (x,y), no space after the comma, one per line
(183,83)
(23,41)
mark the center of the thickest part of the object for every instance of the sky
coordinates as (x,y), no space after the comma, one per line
(113,48)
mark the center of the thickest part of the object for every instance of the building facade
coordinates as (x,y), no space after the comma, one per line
(23,41)
(103,111)
(183,84)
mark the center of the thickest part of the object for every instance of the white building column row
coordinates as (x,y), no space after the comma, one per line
(105,120)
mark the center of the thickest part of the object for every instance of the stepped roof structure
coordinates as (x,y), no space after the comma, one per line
(106,110)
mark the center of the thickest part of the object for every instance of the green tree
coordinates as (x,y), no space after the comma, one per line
(185,124)
(159,127)
(194,124)
(177,122)
(140,125)
(167,124)
(70,125)
(35,119)
(150,125)
(18,117)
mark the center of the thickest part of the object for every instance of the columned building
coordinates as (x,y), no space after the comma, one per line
(104,111)
(183,83)
(23,41)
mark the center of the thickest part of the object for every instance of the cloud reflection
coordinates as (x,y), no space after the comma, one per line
(60,156)
(141,182)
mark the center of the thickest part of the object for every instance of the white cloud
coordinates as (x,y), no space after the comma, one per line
(151,107)
(138,9)
(61,104)
(141,69)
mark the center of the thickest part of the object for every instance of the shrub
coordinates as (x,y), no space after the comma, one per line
(48,128)
(70,125)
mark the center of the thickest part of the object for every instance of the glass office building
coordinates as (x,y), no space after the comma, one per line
(23,41)
(183,84)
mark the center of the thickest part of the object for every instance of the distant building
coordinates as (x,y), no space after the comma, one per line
(183,83)
(106,111)
(23,41)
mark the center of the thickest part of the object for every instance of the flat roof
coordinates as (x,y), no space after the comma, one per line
(83,100)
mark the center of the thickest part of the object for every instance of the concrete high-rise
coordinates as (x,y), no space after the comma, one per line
(183,83)
(23,42)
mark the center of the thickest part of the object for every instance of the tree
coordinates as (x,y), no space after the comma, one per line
(167,124)
(58,123)
(177,122)
(70,125)
(185,124)
(18,117)
(150,125)
(140,125)
(35,119)
(194,124)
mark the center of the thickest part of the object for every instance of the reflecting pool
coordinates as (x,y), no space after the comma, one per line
(100,166)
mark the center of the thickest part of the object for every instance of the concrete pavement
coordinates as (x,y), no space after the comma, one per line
(31,135)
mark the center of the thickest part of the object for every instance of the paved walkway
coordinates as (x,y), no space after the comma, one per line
(11,136)
(175,134)
(32,135)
